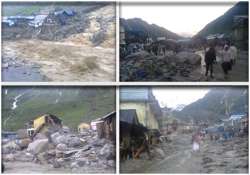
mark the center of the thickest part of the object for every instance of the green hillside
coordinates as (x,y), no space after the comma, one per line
(72,105)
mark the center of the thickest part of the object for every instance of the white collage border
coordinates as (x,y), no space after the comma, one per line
(118,84)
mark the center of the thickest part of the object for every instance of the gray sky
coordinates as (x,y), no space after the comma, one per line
(185,20)
(171,97)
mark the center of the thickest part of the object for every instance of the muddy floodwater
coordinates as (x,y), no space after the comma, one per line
(36,60)
(214,157)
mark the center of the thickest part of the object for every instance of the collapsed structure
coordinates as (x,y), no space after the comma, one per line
(49,142)
(139,127)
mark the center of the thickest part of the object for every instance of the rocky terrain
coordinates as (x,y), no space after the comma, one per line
(61,151)
(176,156)
(185,65)
(81,50)
(142,66)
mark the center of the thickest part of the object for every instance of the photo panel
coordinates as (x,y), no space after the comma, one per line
(182,129)
(58,129)
(184,41)
(58,41)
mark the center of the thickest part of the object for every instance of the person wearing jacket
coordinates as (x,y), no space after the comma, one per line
(226,61)
(210,57)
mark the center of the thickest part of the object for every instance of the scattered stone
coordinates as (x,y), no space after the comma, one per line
(38,146)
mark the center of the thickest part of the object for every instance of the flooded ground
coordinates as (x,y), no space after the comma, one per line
(57,61)
(214,157)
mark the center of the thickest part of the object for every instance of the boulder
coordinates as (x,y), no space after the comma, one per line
(40,136)
(38,146)
(66,129)
(10,147)
(24,157)
(188,57)
(107,151)
(9,157)
(23,143)
(98,142)
(54,137)
(74,142)
(61,147)
(22,134)
(159,153)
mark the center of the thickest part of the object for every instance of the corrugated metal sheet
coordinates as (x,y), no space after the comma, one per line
(134,94)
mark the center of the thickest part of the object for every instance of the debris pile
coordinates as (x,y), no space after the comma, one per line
(81,153)
(142,66)
(226,157)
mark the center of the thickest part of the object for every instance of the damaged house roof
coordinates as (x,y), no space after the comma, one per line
(134,94)
(65,12)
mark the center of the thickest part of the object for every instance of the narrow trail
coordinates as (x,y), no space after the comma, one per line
(214,157)
(183,161)
(239,71)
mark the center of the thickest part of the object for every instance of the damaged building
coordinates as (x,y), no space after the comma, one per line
(143,101)
(44,124)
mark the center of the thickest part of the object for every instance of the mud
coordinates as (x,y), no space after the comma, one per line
(213,157)
(59,61)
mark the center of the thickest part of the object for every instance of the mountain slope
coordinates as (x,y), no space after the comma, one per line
(224,23)
(216,104)
(72,105)
(136,27)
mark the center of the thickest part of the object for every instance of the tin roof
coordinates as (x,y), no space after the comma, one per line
(134,94)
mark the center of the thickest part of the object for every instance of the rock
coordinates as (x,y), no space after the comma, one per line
(107,151)
(23,143)
(54,137)
(188,57)
(159,153)
(10,147)
(111,163)
(74,142)
(40,136)
(56,164)
(9,157)
(59,154)
(82,161)
(42,157)
(24,157)
(74,165)
(52,152)
(38,146)
(98,142)
(61,147)
(66,129)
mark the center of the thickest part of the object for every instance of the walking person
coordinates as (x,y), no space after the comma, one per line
(226,61)
(196,139)
(210,57)
(234,53)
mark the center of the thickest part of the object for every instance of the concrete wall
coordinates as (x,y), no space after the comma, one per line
(144,113)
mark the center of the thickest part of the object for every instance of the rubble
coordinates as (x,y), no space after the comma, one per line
(38,146)
(142,66)
(81,153)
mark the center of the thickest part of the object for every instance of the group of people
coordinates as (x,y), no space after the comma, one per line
(228,59)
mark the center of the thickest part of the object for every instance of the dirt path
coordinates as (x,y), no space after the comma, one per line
(239,71)
(179,159)
(213,157)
